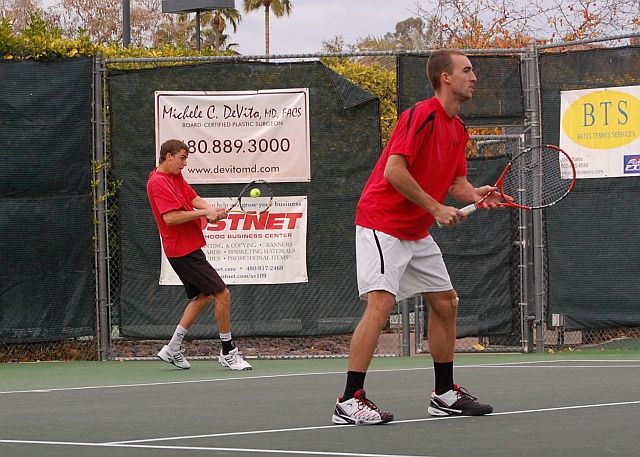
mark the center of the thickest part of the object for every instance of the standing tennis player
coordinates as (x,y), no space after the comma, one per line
(396,257)
(178,211)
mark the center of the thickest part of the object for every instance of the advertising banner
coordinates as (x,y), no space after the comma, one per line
(269,248)
(600,129)
(240,136)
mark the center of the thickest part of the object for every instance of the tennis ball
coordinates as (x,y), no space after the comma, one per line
(255,192)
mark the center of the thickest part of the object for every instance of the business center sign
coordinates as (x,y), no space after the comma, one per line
(238,136)
(600,130)
(268,248)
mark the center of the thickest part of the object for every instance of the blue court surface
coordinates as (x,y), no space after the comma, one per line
(568,404)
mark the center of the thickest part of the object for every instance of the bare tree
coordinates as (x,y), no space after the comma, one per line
(335,44)
(478,23)
(20,11)
(573,20)
(102,19)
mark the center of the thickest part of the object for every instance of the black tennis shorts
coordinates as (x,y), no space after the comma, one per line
(197,274)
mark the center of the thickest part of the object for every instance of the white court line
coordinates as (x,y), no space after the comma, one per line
(205,448)
(190,381)
(130,444)
(521,364)
(406,421)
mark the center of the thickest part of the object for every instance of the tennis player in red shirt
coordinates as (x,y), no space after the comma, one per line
(178,212)
(396,258)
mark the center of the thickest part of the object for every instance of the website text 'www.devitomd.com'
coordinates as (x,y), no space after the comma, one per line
(234,170)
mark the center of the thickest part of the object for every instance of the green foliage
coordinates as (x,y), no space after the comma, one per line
(380,81)
(40,41)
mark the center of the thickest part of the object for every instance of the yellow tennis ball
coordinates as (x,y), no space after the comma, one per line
(255,192)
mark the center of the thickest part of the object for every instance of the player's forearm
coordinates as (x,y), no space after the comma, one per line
(200,203)
(180,217)
(463,191)
(400,178)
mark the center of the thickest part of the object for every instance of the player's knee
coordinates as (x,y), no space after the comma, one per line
(377,312)
(203,300)
(444,304)
(223,296)
(453,297)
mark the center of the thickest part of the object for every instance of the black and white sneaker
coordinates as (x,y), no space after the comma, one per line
(359,410)
(457,402)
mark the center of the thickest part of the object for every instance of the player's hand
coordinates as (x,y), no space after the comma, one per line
(448,215)
(493,197)
(221,213)
(215,214)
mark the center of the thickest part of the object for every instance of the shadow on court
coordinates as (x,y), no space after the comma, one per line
(570,404)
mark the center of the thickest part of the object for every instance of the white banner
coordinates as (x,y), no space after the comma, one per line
(238,136)
(600,130)
(270,248)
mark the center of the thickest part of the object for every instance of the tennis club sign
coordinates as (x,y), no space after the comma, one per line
(600,129)
(238,136)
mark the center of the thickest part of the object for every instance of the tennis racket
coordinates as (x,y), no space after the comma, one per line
(535,178)
(255,198)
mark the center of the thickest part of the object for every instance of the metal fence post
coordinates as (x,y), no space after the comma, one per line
(537,285)
(103,318)
(406,328)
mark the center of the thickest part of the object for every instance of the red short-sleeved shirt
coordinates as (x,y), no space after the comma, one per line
(434,146)
(167,193)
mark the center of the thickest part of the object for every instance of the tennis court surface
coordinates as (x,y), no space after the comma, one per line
(569,404)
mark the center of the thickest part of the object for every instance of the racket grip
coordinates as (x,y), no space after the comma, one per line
(468,209)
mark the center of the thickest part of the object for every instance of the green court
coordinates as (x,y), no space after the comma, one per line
(567,404)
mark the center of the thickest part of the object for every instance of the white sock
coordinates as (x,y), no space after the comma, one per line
(449,397)
(225,336)
(176,339)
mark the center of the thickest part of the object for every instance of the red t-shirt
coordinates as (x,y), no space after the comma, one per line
(167,193)
(433,145)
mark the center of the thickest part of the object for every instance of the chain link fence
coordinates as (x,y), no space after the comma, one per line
(524,325)
(530,290)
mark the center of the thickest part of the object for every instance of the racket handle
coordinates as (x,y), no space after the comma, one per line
(466,211)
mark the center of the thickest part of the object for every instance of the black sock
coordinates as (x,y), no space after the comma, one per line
(355,382)
(444,377)
(228,346)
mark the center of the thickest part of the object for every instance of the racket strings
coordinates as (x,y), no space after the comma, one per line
(535,178)
(249,203)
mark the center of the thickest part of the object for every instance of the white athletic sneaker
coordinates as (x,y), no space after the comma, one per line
(175,358)
(359,411)
(234,361)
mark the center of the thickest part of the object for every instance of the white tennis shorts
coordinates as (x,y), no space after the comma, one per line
(401,267)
